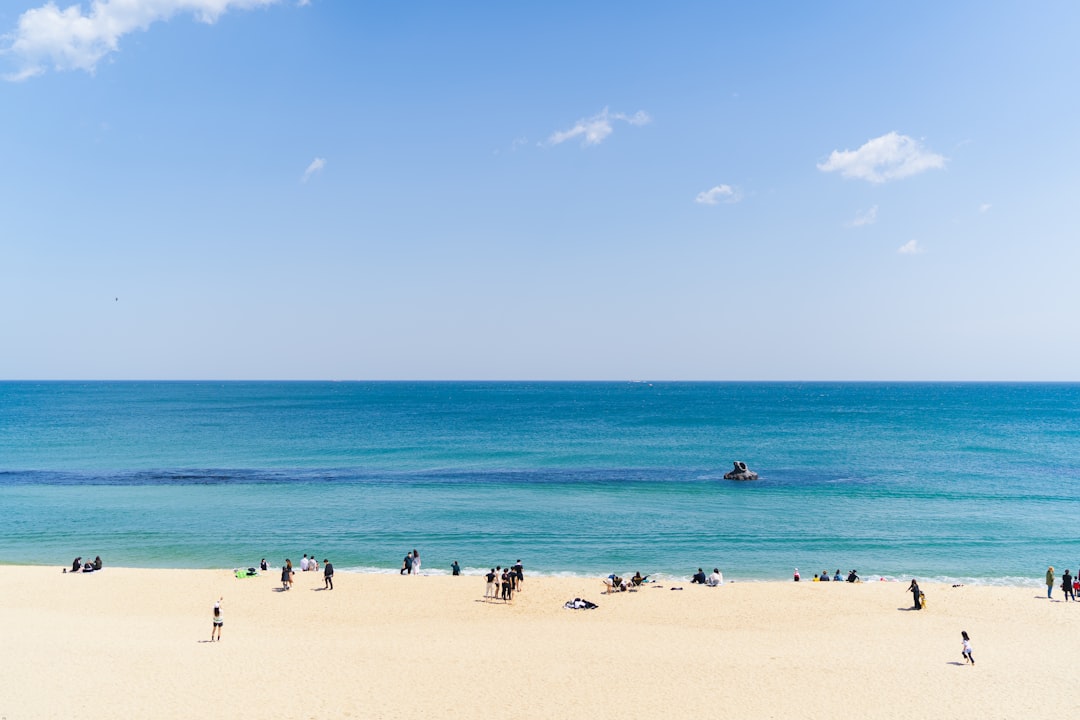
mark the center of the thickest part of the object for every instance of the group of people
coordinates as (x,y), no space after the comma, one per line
(1070,585)
(411,564)
(852,576)
(714,579)
(307,564)
(503,582)
(77,565)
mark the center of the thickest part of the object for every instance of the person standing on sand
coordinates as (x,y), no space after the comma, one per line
(1050,582)
(328,574)
(406,565)
(1067,585)
(415,562)
(455,569)
(913,588)
(489,591)
(218,621)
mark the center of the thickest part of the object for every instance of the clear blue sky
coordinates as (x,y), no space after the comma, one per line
(225,189)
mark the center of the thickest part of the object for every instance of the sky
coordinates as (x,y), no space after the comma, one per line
(329,189)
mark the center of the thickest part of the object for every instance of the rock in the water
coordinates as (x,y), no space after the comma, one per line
(741,472)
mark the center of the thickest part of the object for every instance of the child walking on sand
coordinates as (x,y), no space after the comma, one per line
(968,656)
(215,633)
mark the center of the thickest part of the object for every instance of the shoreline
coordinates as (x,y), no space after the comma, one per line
(475,572)
(135,643)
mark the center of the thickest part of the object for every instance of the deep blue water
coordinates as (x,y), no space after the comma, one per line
(972,482)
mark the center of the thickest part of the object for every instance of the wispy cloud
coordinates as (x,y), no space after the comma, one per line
(864,218)
(889,157)
(911,247)
(316,166)
(718,194)
(985,207)
(594,130)
(68,39)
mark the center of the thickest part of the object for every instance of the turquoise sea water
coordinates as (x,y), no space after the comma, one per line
(961,482)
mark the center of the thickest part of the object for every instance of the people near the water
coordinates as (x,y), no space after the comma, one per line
(637,579)
(507,586)
(76,564)
(519,575)
(455,569)
(1050,582)
(699,577)
(97,562)
(969,656)
(816,578)
(824,576)
(913,588)
(836,577)
(796,577)
(328,575)
(263,566)
(219,620)
(715,578)
(490,591)
(853,577)
(1067,585)
(286,575)
(415,562)
(406,564)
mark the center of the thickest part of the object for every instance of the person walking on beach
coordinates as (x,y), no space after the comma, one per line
(215,632)
(1050,582)
(286,575)
(969,656)
(489,591)
(406,565)
(1067,585)
(913,588)
(328,574)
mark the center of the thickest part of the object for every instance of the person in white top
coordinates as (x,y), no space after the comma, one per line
(716,578)
(415,562)
(304,564)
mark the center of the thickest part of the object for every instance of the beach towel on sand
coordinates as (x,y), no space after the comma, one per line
(250,572)
(579,604)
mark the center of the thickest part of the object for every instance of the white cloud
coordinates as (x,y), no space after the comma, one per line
(68,39)
(718,194)
(985,207)
(889,157)
(864,218)
(911,247)
(316,166)
(594,130)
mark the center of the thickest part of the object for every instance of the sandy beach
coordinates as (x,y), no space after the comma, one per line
(135,643)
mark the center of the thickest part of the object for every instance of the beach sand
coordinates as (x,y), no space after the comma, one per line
(134,643)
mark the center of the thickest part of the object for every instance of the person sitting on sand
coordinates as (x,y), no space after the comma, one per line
(796,577)
(699,577)
(76,564)
(97,562)
(853,576)
(304,563)
(836,577)
(824,576)
(637,579)
(716,578)
(313,564)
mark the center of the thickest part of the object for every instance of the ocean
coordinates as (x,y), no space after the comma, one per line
(954,482)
